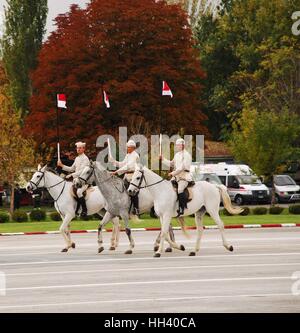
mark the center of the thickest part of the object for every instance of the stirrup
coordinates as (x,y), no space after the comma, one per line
(83,214)
(179,213)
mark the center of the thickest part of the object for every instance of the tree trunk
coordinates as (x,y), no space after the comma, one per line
(12,199)
(273,197)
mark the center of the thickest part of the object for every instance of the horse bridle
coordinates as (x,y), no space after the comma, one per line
(48,188)
(139,187)
(38,183)
(90,175)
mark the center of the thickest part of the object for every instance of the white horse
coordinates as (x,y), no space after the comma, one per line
(87,176)
(206,198)
(65,203)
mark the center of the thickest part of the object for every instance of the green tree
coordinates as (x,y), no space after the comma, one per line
(16,151)
(234,49)
(24,29)
(265,140)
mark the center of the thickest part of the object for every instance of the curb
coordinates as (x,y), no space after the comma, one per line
(237,226)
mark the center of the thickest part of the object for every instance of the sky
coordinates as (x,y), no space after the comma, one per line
(56,7)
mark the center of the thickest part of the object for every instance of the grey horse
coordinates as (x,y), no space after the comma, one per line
(116,197)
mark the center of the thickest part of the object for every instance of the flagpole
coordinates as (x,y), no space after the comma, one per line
(160,139)
(58,134)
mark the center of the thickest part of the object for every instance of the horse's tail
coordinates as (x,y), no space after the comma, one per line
(227,201)
(183,227)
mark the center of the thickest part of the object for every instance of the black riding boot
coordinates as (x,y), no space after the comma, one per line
(135,201)
(182,204)
(83,206)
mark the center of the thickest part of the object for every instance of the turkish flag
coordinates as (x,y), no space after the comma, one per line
(166,91)
(106,99)
(61,101)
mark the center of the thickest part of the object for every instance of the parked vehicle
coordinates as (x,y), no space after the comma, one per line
(243,185)
(209,177)
(286,189)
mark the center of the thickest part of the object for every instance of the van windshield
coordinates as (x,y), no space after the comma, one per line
(284,180)
(248,180)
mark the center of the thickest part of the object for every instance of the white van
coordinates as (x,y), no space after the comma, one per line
(243,185)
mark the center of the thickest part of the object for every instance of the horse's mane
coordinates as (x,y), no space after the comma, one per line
(104,175)
(52,171)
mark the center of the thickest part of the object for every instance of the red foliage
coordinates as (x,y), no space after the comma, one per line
(129,46)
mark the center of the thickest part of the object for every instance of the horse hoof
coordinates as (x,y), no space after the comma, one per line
(230,248)
(192,254)
(169,249)
(112,248)
(128,252)
(101,249)
(73,245)
(157,255)
(64,250)
(182,248)
(156,248)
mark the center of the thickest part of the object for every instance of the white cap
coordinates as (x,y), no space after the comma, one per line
(180,142)
(80,144)
(131,143)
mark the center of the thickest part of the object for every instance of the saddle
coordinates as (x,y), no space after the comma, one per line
(85,193)
(188,191)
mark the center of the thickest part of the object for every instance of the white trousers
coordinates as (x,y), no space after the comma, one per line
(81,190)
(182,184)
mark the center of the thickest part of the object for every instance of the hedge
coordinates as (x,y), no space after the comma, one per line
(4,217)
(295,209)
(55,216)
(19,216)
(246,211)
(276,210)
(38,215)
(260,211)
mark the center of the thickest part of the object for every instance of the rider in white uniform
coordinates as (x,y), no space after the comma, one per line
(127,167)
(181,164)
(81,161)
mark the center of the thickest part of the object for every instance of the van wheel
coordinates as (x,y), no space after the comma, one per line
(239,200)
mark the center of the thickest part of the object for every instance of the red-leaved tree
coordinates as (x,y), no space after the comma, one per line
(129,47)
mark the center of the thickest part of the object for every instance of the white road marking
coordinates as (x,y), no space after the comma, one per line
(144,300)
(152,269)
(141,283)
(228,255)
(120,248)
(270,239)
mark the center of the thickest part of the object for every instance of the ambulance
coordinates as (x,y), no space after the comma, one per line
(243,185)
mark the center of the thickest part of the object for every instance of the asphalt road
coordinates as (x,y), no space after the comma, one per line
(256,277)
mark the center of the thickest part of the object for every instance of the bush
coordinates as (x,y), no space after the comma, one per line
(226,213)
(55,216)
(246,211)
(276,210)
(37,215)
(4,217)
(295,209)
(19,216)
(260,211)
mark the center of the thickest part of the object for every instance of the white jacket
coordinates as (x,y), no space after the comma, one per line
(127,165)
(182,164)
(79,164)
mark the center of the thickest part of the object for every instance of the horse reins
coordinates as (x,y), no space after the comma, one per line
(48,188)
(139,187)
(102,182)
